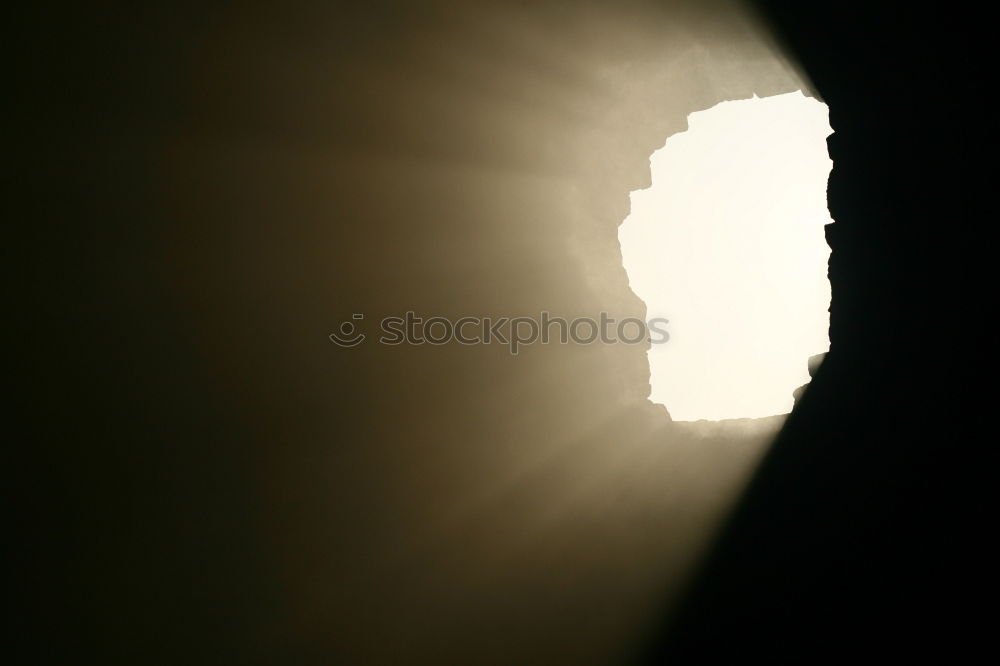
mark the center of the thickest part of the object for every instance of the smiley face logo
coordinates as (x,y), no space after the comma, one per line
(348,336)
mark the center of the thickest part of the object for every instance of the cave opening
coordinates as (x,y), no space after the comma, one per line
(728,244)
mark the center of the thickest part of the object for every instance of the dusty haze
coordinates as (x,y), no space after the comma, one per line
(234,488)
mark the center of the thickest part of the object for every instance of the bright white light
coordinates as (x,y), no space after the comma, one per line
(728,245)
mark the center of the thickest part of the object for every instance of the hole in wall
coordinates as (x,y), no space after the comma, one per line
(728,244)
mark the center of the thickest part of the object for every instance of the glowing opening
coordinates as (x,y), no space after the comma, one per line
(728,245)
